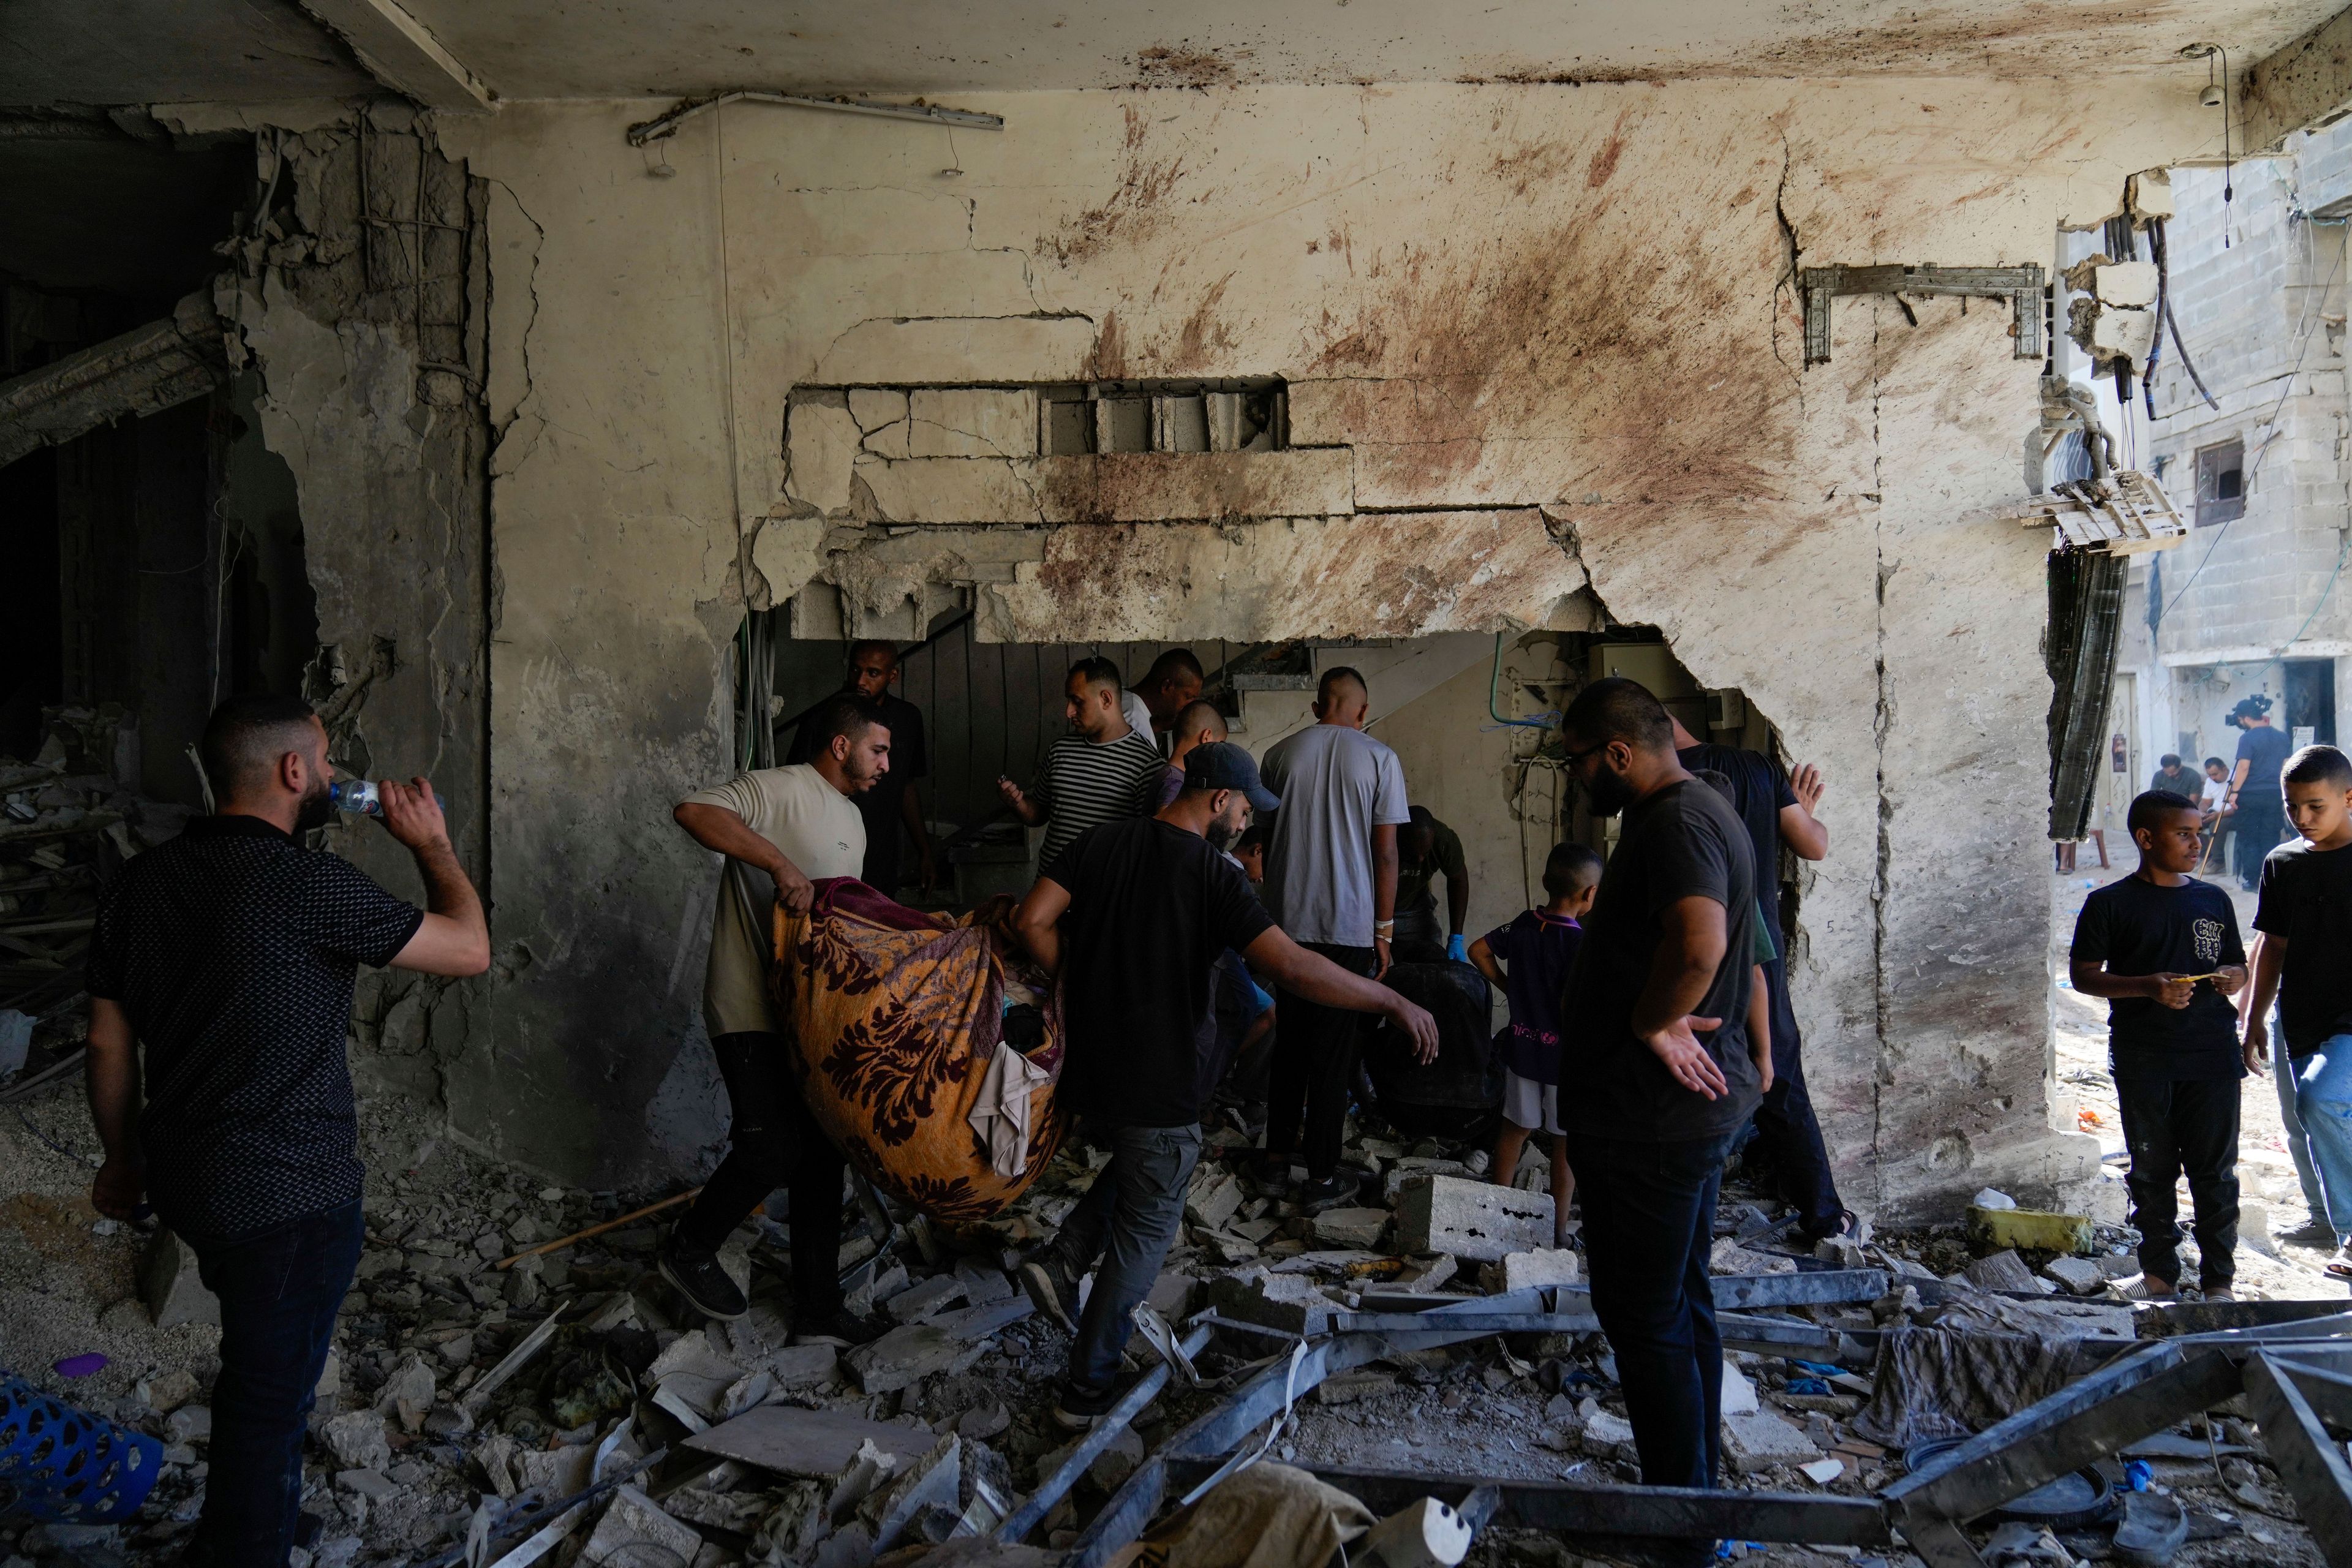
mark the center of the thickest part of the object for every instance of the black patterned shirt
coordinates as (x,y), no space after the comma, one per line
(233,950)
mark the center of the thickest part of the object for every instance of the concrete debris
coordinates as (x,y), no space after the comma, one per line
(905,1355)
(1528,1270)
(2002,1271)
(2079,1274)
(169,1286)
(635,1529)
(1470,1219)
(1761,1440)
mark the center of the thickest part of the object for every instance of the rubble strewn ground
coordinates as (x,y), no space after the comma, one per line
(413,1442)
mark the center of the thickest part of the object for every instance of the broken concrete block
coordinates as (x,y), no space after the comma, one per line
(2078,1275)
(1545,1267)
(635,1529)
(372,1485)
(983,1285)
(976,1324)
(1605,1436)
(971,422)
(1759,1442)
(168,1389)
(1822,1472)
(864,1299)
(1842,1250)
(1471,1219)
(358,1440)
(821,442)
(169,1286)
(1215,1196)
(407,1392)
(1346,1387)
(2031,1229)
(927,1299)
(803,1367)
(1739,1394)
(2002,1271)
(905,1355)
(1350,1227)
(1170,1295)
(2127,283)
(1426,1274)
(189,1423)
(1288,1301)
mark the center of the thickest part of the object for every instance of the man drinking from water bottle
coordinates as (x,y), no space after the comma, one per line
(221,974)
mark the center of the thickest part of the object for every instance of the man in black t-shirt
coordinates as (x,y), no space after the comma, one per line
(2303,956)
(226,958)
(893,804)
(1660,1079)
(2254,787)
(1133,916)
(2163,948)
(1776,807)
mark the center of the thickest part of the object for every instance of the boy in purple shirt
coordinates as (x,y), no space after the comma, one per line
(1529,958)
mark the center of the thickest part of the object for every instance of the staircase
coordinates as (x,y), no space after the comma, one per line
(1269,692)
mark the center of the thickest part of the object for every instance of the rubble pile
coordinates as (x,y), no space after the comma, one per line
(482,1390)
(69,817)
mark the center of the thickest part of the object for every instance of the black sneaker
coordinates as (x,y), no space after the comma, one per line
(1077,1407)
(1049,1287)
(693,1269)
(1332,1191)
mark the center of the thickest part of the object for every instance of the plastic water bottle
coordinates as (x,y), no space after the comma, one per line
(360,795)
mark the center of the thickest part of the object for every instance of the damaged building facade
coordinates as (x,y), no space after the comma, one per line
(1448,358)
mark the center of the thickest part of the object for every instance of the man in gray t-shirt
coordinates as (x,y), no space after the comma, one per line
(1330,883)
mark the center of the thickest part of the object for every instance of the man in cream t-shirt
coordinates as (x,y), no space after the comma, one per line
(782,830)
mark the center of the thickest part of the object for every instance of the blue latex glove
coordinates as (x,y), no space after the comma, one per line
(1457,949)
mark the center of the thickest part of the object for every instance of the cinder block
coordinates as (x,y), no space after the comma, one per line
(1471,1219)
(1277,1301)
(1551,1266)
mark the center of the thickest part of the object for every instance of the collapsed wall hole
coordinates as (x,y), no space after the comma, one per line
(1473,717)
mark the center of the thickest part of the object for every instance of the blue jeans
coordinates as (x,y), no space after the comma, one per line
(1649,1220)
(2291,1125)
(1127,1219)
(279,1291)
(2322,1103)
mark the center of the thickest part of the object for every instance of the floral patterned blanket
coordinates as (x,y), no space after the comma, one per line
(892,1019)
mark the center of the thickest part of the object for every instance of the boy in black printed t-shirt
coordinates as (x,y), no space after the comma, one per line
(2163,948)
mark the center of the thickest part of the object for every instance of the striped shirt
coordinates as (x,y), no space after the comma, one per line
(1083,785)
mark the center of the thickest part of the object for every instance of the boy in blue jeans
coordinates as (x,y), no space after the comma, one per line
(2303,956)
(1529,958)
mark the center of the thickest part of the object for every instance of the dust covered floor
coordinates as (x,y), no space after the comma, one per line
(411,1443)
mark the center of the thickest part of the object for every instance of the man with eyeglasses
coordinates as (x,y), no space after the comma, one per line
(1659,998)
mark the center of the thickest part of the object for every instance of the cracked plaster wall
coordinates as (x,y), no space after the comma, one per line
(1545,322)
(366,360)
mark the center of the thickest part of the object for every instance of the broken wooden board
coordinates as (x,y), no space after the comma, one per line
(795,1442)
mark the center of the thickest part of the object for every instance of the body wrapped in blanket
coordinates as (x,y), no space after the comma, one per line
(926,1047)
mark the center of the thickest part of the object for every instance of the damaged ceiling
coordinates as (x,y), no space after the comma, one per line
(115,51)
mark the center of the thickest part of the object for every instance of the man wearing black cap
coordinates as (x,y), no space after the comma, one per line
(1134,915)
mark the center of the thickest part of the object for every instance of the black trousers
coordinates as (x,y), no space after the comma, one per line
(772,1142)
(1649,1221)
(1314,1067)
(1788,1135)
(2175,1128)
(279,1292)
(2258,828)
